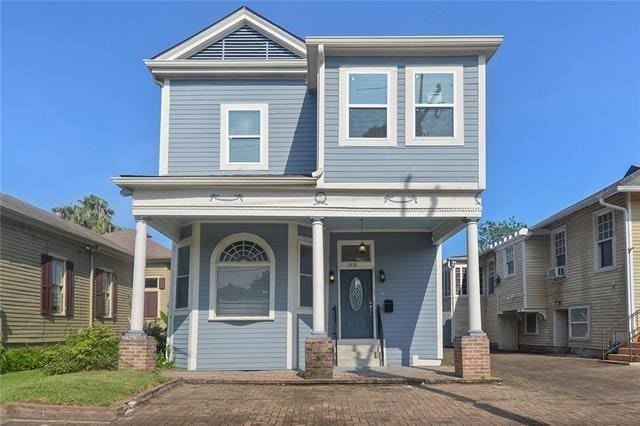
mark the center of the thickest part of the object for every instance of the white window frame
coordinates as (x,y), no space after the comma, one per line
(491,270)
(391,105)
(588,322)
(174,293)
(225,163)
(596,252)
(155,290)
(457,105)
(526,320)
(303,241)
(112,288)
(554,261)
(213,274)
(356,265)
(506,261)
(463,272)
(64,260)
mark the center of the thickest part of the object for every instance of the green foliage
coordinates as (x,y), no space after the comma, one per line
(490,231)
(91,349)
(29,358)
(158,329)
(92,212)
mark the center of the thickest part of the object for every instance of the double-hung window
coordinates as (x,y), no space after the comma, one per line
(604,233)
(434,106)
(492,277)
(306,276)
(182,278)
(559,248)
(107,293)
(510,260)
(367,106)
(244,136)
(57,285)
(461,281)
(579,322)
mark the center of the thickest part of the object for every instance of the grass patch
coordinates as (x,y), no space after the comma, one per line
(100,388)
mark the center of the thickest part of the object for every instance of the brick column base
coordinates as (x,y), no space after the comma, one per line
(471,357)
(137,352)
(318,358)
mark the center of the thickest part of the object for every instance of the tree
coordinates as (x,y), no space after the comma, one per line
(92,212)
(490,231)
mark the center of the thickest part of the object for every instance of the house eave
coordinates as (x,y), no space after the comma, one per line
(188,68)
(133,182)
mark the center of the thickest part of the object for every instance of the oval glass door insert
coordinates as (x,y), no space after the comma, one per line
(356,294)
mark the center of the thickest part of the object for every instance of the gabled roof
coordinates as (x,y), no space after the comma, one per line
(127,237)
(20,210)
(630,182)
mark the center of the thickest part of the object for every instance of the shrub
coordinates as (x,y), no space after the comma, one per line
(21,359)
(91,349)
(158,329)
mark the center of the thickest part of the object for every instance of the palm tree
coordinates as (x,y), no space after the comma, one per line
(91,211)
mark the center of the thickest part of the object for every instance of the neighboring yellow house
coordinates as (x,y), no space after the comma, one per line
(571,283)
(157,274)
(57,276)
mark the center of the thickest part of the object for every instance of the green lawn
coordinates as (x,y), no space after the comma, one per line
(101,388)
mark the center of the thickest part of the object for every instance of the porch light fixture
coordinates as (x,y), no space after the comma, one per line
(332,277)
(362,248)
(383,277)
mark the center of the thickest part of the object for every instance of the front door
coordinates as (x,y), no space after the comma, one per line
(356,304)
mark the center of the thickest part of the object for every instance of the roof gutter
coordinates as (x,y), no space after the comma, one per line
(627,249)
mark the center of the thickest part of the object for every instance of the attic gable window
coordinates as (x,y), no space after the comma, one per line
(244,137)
(367,106)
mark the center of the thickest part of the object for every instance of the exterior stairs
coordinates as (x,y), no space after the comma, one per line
(358,353)
(626,354)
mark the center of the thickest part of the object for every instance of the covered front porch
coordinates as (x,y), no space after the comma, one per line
(258,276)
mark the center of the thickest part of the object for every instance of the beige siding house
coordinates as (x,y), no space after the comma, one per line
(56,276)
(569,283)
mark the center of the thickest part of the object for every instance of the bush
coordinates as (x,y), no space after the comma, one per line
(22,359)
(158,329)
(91,349)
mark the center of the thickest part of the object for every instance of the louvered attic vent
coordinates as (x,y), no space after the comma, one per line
(244,43)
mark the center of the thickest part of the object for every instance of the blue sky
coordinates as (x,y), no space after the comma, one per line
(78,106)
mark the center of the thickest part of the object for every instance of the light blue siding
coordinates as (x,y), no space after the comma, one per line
(304,231)
(402,163)
(305,326)
(194,125)
(245,43)
(181,339)
(409,263)
(243,345)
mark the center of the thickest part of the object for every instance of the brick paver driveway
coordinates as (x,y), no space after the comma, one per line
(537,390)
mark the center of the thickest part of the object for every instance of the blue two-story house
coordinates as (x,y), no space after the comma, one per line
(308,186)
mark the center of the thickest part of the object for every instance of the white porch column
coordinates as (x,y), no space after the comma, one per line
(473,279)
(318,276)
(139,266)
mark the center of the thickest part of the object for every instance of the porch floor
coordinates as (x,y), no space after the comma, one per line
(385,375)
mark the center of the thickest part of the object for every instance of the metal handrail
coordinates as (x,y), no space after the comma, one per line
(334,334)
(631,334)
(380,334)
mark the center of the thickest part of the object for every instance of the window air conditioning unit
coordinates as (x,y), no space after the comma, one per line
(556,273)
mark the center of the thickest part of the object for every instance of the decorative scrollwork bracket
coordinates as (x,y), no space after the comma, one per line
(229,198)
(401,199)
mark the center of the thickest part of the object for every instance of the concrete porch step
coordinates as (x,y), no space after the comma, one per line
(358,353)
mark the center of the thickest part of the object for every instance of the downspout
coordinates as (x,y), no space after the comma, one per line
(627,250)
(319,172)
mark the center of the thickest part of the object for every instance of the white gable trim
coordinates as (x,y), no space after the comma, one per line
(227,25)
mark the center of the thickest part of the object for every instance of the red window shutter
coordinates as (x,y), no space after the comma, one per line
(150,304)
(114,295)
(161,283)
(69,288)
(45,295)
(97,294)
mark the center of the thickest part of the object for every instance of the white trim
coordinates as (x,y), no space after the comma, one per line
(629,258)
(579,322)
(526,315)
(172,290)
(225,163)
(391,107)
(174,294)
(439,334)
(292,253)
(596,254)
(506,267)
(458,106)
(306,241)
(482,121)
(436,186)
(552,241)
(416,361)
(163,161)
(113,289)
(356,265)
(155,290)
(213,275)
(320,95)
(523,255)
(194,290)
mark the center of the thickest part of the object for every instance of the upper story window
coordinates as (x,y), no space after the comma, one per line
(604,241)
(244,136)
(446,284)
(491,277)
(368,106)
(461,281)
(509,261)
(481,276)
(559,247)
(434,106)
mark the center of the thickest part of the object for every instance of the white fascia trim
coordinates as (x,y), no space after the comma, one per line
(208,181)
(194,282)
(343,103)
(439,330)
(416,361)
(628,188)
(292,303)
(482,122)
(458,105)
(435,186)
(228,25)
(163,162)
(263,108)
